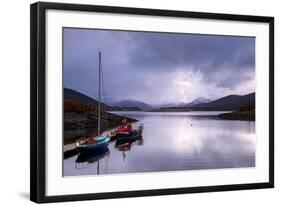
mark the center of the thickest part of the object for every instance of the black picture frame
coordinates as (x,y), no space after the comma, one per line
(38,103)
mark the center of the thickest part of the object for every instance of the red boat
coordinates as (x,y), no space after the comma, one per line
(126,131)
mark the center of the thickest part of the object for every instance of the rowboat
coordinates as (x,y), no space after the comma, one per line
(129,135)
(97,146)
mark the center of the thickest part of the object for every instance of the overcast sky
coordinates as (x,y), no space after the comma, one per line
(158,67)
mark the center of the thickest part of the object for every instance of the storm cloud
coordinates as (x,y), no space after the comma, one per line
(158,67)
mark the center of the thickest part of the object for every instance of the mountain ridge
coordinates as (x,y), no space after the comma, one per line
(129,103)
(229,102)
(198,100)
(82,98)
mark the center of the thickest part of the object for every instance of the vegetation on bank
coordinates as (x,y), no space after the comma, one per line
(246,113)
(238,115)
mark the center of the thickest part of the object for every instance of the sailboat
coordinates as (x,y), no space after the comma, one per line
(100,143)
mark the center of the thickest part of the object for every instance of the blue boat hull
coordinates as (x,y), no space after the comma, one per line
(97,148)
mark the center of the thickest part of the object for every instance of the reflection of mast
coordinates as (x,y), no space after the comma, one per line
(98,168)
(106,164)
(124,156)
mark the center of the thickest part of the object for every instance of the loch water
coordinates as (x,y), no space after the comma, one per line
(173,141)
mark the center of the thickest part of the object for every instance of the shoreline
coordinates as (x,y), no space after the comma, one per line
(84,125)
(228,115)
(238,115)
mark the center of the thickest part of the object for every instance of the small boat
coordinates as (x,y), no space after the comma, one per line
(99,143)
(121,135)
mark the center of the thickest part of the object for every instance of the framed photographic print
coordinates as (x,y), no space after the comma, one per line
(129,102)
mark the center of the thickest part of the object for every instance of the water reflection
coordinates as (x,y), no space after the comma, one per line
(91,157)
(85,158)
(176,141)
(125,145)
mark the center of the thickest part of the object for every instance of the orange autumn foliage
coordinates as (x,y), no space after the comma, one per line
(71,105)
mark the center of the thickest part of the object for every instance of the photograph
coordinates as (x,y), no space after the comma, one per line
(148,101)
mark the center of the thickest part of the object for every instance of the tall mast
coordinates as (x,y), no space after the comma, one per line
(99,108)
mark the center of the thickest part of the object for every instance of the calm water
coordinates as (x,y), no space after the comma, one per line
(174,141)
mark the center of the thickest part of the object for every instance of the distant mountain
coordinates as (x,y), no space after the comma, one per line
(108,100)
(124,105)
(131,104)
(197,101)
(169,104)
(82,98)
(230,102)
